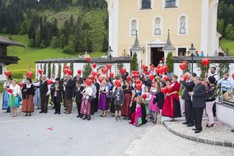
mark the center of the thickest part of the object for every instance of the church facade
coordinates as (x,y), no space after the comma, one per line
(189,21)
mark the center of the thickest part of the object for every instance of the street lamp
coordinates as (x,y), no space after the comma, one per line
(191,51)
(109,51)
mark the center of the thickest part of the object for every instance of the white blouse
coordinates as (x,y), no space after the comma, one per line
(15,90)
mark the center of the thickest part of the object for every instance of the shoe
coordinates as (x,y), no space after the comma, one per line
(41,112)
(58,112)
(78,116)
(209,125)
(45,112)
(81,116)
(67,112)
(26,114)
(185,123)
(55,112)
(84,118)
(232,130)
(89,118)
(29,114)
(194,129)
(198,131)
(190,125)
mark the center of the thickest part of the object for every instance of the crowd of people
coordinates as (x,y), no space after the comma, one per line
(135,96)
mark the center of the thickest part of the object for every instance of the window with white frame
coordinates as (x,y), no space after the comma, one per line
(157,26)
(182,25)
(133,27)
(170,3)
(145,4)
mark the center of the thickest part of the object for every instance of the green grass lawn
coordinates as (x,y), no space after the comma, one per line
(227,45)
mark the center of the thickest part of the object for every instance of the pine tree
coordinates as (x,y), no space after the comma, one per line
(169,63)
(70,47)
(87,70)
(38,38)
(62,42)
(134,63)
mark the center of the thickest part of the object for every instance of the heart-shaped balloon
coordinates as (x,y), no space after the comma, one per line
(98,74)
(88,82)
(100,79)
(135,76)
(183,66)
(169,89)
(66,66)
(123,70)
(138,86)
(111,75)
(166,78)
(205,62)
(94,73)
(144,96)
(185,77)
(152,66)
(233,76)
(163,58)
(69,72)
(9,90)
(49,81)
(89,59)
(128,78)
(151,77)
(40,71)
(138,81)
(92,77)
(147,72)
(136,72)
(21,84)
(29,74)
(7,73)
(117,83)
(165,69)
(104,70)
(164,90)
(108,66)
(65,71)
(79,71)
(94,65)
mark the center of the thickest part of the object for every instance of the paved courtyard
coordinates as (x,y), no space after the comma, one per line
(66,135)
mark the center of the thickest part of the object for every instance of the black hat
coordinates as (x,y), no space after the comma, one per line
(57,79)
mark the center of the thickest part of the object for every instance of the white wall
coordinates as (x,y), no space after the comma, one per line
(2,76)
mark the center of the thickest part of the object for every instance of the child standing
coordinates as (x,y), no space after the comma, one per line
(138,112)
(118,97)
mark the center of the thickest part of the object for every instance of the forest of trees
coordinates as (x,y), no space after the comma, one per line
(23,17)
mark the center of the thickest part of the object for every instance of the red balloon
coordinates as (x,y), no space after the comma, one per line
(166,78)
(169,89)
(165,69)
(129,78)
(122,71)
(161,70)
(185,62)
(144,96)
(108,66)
(98,74)
(111,74)
(49,81)
(151,77)
(78,71)
(138,81)
(40,71)
(69,72)
(92,77)
(94,73)
(89,59)
(152,66)
(147,72)
(205,62)
(163,58)
(88,82)
(183,66)
(9,90)
(143,66)
(94,65)
(7,73)
(157,69)
(135,76)
(117,83)
(136,72)
(185,77)
(233,75)
(100,79)
(65,71)
(30,74)
(138,86)
(66,66)
(104,70)
(21,84)
(164,90)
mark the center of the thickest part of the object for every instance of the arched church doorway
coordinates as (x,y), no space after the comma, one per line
(156,55)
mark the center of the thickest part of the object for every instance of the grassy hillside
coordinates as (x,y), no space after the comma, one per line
(227,45)
(28,55)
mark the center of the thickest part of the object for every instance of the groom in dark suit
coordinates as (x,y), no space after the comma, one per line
(188,87)
(198,102)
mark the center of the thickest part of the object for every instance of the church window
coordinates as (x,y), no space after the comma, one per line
(182,25)
(133,27)
(157,26)
(170,3)
(146,4)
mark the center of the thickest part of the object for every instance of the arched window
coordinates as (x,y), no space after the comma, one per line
(182,26)
(133,27)
(157,26)
(146,4)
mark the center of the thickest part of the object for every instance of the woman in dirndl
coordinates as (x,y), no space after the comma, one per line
(27,96)
(86,100)
(102,103)
(6,96)
(128,98)
(14,92)
(36,97)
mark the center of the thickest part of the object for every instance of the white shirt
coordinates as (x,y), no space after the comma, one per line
(15,90)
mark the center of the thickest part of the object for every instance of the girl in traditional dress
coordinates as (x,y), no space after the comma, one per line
(171,106)
(14,92)
(128,98)
(36,97)
(147,100)
(6,96)
(86,99)
(102,103)
(56,89)
(138,112)
(28,93)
